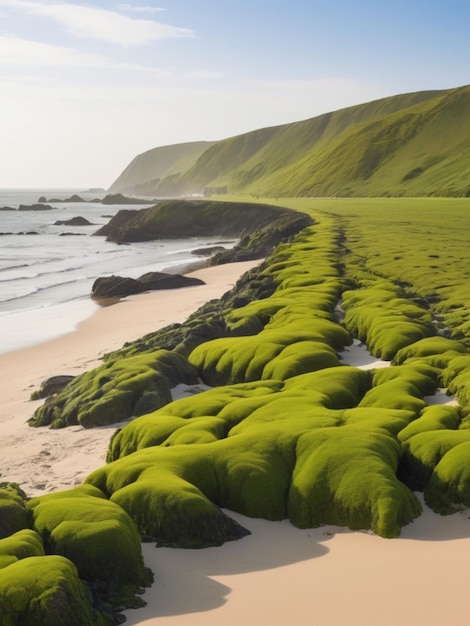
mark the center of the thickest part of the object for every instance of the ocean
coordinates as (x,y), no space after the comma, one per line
(47,270)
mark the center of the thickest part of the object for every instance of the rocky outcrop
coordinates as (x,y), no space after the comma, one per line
(119,287)
(74,221)
(115,287)
(73,198)
(208,251)
(118,198)
(174,219)
(36,207)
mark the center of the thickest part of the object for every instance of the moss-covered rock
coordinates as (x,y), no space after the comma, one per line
(116,390)
(20,545)
(13,513)
(46,591)
(448,489)
(263,449)
(96,535)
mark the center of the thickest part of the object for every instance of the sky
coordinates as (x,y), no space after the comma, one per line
(87,86)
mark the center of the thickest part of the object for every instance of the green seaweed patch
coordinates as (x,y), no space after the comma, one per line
(456,377)
(20,545)
(116,391)
(13,513)
(402,387)
(229,405)
(423,451)
(164,491)
(96,535)
(385,322)
(442,348)
(45,591)
(448,489)
(272,354)
(345,478)
(261,465)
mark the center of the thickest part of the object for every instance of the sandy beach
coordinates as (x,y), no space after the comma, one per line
(44,460)
(278,575)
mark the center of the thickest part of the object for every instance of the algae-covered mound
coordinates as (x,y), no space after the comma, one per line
(79,563)
(13,513)
(116,390)
(288,431)
(272,449)
(46,591)
(380,317)
(98,536)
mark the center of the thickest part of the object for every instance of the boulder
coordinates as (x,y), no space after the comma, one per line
(161,280)
(52,385)
(115,287)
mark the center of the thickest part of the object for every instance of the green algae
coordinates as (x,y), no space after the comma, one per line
(116,390)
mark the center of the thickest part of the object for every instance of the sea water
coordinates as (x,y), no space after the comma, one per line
(47,270)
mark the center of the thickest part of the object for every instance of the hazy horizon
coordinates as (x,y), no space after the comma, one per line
(87,86)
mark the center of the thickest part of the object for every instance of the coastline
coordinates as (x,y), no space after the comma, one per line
(43,460)
(278,575)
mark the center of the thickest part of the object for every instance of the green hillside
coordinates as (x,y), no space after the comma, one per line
(415,144)
(144,173)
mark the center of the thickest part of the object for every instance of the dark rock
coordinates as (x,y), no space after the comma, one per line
(208,251)
(118,286)
(118,198)
(7,208)
(74,221)
(262,226)
(160,280)
(115,286)
(52,385)
(69,234)
(36,207)
(73,198)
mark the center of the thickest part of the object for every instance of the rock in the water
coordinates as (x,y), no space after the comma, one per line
(208,251)
(118,198)
(74,221)
(35,207)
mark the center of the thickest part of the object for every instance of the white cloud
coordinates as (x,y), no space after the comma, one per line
(100,24)
(146,9)
(21,53)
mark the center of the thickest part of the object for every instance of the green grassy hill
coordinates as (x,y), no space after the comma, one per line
(143,175)
(414,144)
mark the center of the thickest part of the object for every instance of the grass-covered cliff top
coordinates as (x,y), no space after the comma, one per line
(414,144)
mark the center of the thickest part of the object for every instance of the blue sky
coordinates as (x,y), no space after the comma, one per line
(86,86)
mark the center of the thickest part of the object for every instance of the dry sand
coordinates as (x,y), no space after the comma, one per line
(277,576)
